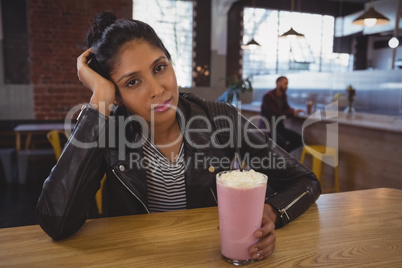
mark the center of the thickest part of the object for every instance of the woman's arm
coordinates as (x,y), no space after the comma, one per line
(73,182)
(292,187)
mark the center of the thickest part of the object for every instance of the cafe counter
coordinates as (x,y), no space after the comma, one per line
(370,145)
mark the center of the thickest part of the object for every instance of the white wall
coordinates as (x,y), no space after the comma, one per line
(16,102)
(13,97)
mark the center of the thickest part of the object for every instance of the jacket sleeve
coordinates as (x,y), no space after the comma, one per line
(72,184)
(292,188)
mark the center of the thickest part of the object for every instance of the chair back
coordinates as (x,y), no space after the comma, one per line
(53,137)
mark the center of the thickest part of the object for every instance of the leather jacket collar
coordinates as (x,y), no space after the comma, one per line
(197,158)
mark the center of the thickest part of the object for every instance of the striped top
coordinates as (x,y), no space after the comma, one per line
(165,180)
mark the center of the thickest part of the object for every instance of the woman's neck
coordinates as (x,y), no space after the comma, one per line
(168,139)
(166,132)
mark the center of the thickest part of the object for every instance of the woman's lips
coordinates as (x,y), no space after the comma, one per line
(163,106)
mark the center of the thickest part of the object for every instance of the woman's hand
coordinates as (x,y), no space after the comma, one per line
(103,90)
(266,245)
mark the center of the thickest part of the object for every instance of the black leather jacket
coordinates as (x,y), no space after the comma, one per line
(73,182)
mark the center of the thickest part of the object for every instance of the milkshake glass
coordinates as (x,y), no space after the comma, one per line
(241,196)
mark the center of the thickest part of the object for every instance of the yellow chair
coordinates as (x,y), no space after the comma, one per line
(98,196)
(318,152)
(54,139)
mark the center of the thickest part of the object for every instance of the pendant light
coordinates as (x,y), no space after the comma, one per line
(291,33)
(371,17)
(393,42)
(252,44)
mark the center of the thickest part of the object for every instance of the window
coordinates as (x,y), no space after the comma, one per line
(173,22)
(15,65)
(284,55)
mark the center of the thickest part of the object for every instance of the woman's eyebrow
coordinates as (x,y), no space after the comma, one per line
(158,59)
(133,73)
(127,75)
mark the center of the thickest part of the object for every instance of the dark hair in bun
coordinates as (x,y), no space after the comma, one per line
(107,36)
(99,24)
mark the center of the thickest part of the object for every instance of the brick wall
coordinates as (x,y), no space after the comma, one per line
(57,30)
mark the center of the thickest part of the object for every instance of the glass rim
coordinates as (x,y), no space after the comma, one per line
(233,183)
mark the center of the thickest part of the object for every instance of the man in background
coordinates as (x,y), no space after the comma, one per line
(275,109)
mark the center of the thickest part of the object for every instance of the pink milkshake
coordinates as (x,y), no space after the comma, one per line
(241,198)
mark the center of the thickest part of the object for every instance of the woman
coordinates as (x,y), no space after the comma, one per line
(160,149)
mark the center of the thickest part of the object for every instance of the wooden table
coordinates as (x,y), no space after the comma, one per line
(349,229)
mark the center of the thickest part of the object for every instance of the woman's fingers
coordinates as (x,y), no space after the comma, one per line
(267,239)
(84,72)
(265,247)
(267,226)
(83,58)
(103,90)
(90,78)
(82,61)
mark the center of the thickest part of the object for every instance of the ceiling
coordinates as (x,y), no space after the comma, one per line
(347,9)
(325,7)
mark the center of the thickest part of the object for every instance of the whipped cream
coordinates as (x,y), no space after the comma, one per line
(241,179)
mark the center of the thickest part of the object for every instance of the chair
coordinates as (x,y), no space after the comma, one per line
(23,161)
(98,196)
(54,139)
(24,155)
(318,152)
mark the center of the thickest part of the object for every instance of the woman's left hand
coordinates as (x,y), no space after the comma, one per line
(266,234)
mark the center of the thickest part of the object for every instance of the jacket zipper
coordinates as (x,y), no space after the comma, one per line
(284,210)
(82,109)
(114,172)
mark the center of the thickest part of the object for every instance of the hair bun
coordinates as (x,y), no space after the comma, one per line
(100,22)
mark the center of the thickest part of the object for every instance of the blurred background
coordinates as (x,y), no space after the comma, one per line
(209,40)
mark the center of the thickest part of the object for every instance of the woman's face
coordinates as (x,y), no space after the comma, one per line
(146,82)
